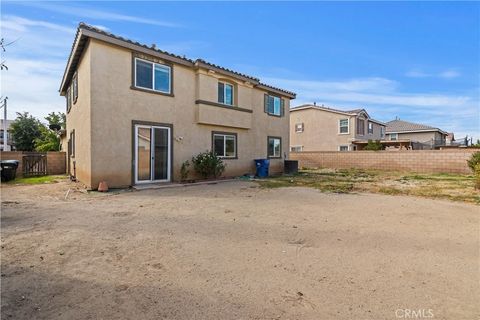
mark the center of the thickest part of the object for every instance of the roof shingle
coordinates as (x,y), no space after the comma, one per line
(181,59)
(403,126)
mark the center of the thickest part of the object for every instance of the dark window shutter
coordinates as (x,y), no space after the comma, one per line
(265,103)
(221,92)
(282,107)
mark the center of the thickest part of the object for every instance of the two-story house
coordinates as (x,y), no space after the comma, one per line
(320,128)
(419,136)
(136,113)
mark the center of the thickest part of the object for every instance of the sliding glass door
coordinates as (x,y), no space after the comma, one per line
(152,154)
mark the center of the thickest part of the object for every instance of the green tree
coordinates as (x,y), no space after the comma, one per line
(49,139)
(56,120)
(373,145)
(25,129)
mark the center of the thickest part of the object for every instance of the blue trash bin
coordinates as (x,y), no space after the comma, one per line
(262,167)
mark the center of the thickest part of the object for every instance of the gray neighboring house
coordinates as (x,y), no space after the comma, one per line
(10,143)
(419,135)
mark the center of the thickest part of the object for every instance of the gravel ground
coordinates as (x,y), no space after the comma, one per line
(235,251)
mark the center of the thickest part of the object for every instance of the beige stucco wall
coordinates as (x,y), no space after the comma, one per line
(321,130)
(114,105)
(423,137)
(78,119)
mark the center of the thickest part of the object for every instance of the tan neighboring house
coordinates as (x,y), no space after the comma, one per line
(320,128)
(136,113)
(418,136)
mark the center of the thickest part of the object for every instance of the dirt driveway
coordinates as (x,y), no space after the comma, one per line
(235,251)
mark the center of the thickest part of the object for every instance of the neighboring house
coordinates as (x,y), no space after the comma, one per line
(450,139)
(136,113)
(10,142)
(320,128)
(419,136)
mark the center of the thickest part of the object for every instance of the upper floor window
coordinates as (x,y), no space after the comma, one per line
(225,144)
(370,128)
(360,126)
(68,97)
(296,148)
(299,127)
(393,136)
(225,93)
(75,88)
(152,76)
(343,126)
(274,105)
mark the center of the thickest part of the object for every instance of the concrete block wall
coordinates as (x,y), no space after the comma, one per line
(56,161)
(422,161)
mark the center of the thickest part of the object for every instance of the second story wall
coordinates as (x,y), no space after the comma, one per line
(371,130)
(78,128)
(192,108)
(321,130)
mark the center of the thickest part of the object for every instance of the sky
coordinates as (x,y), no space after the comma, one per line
(418,61)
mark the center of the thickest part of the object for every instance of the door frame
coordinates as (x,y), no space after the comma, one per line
(169,126)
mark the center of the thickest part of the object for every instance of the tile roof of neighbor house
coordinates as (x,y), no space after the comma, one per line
(398,125)
(353,112)
(84,31)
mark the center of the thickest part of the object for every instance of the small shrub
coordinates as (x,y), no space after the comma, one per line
(373,145)
(184,171)
(474,160)
(477,176)
(208,164)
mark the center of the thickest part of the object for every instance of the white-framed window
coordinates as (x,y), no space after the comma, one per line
(393,136)
(343,148)
(296,148)
(68,97)
(299,127)
(382,132)
(74,88)
(225,93)
(370,127)
(224,144)
(274,105)
(343,126)
(274,147)
(153,76)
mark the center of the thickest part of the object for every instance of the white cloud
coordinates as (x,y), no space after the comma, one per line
(20,24)
(446,74)
(90,13)
(384,100)
(36,62)
(366,91)
(417,74)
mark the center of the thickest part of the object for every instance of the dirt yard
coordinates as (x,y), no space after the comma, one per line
(235,251)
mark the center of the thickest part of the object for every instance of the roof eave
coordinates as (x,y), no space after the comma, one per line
(84,31)
(321,109)
(419,130)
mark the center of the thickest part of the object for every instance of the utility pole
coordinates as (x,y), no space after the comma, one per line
(5,133)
